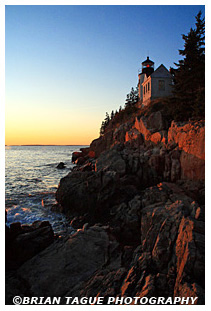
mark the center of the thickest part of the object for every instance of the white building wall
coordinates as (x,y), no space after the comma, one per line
(157,90)
(148,90)
(158,84)
(140,87)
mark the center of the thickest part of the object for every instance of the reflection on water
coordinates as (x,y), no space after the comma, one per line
(31,179)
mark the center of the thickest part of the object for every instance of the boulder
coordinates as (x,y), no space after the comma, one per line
(192,167)
(157,163)
(111,160)
(91,154)
(141,126)
(94,193)
(102,143)
(156,138)
(190,137)
(77,192)
(65,265)
(80,161)
(87,167)
(190,254)
(156,122)
(61,165)
(132,134)
(25,241)
(120,132)
(76,155)
(85,151)
(126,220)
(15,229)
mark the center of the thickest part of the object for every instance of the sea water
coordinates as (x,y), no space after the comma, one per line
(31,180)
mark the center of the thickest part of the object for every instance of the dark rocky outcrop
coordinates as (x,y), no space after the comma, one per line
(65,264)
(147,186)
(181,145)
(76,155)
(152,246)
(61,165)
(94,193)
(136,197)
(25,241)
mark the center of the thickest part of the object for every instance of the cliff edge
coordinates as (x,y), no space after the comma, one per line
(136,200)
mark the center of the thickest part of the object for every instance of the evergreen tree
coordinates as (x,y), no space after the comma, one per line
(128,101)
(132,98)
(107,119)
(102,128)
(189,77)
(112,115)
(104,124)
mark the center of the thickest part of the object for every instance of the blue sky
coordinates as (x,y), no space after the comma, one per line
(67,65)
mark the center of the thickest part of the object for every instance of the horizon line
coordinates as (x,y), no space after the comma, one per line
(45,145)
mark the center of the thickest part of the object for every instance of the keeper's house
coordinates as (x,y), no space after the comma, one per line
(154,83)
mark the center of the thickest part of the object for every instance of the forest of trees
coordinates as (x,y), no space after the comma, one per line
(107,120)
(130,102)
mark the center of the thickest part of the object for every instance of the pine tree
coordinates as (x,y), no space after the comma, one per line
(112,115)
(107,119)
(132,98)
(128,101)
(105,124)
(189,77)
(102,128)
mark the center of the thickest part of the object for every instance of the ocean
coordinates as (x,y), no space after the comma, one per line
(31,180)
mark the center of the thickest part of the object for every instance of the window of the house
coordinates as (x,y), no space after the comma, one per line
(161,85)
(148,86)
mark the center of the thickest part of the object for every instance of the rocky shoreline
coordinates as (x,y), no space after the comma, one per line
(136,200)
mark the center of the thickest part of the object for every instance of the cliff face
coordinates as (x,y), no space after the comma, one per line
(147,186)
(149,246)
(137,200)
(180,147)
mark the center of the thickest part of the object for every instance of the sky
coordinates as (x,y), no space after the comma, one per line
(66,66)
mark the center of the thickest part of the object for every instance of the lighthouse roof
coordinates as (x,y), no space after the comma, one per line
(147,61)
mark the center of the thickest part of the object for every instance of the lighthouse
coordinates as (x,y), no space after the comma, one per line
(153,83)
(147,67)
(146,70)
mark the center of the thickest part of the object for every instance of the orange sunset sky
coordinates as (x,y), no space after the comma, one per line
(66,66)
